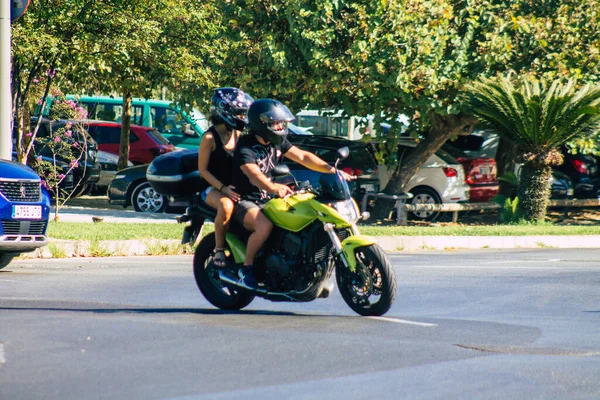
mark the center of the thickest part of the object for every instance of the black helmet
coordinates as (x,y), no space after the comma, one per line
(264,118)
(229,106)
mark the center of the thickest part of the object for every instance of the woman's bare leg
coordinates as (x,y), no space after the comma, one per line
(224,207)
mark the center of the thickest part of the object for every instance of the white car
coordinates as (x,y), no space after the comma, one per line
(440,180)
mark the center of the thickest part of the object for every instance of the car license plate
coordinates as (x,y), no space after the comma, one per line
(27,212)
(485,170)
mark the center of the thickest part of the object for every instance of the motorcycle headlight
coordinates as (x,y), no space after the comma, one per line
(347,209)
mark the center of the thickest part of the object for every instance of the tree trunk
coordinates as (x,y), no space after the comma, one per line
(443,127)
(125,126)
(534,192)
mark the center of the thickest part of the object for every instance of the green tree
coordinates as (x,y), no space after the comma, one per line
(538,118)
(138,47)
(44,41)
(391,58)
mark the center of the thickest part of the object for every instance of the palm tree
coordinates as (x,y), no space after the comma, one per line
(538,119)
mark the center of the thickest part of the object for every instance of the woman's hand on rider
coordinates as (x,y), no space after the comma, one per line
(229,192)
(282,190)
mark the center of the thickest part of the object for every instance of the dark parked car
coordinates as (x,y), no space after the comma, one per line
(561,186)
(583,171)
(87,172)
(109,163)
(24,211)
(361,161)
(129,187)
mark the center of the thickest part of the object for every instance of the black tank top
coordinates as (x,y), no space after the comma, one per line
(221,160)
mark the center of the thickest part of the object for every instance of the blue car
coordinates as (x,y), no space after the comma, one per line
(24,211)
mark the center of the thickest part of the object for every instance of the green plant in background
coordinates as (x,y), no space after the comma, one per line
(157,248)
(509,178)
(56,251)
(538,118)
(96,249)
(509,212)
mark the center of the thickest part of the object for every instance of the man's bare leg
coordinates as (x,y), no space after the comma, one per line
(260,226)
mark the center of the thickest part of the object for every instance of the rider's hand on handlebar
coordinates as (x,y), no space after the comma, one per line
(229,192)
(347,176)
(282,190)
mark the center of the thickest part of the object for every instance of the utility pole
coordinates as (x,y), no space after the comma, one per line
(5,90)
(10,10)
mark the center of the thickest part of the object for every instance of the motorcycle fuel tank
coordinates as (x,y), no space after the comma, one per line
(293,213)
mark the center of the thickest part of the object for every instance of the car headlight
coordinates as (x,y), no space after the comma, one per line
(347,209)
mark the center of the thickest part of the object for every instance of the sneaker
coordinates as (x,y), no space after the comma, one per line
(247,277)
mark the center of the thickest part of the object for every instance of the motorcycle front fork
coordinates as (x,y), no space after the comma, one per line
(335,240)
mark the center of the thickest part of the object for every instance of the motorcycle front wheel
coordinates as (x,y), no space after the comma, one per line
(207,279)
(371,289)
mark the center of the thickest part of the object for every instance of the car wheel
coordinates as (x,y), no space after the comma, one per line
(145,199)
(5,259)
(424,196)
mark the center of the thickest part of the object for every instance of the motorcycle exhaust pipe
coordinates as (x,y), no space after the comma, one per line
(238,283)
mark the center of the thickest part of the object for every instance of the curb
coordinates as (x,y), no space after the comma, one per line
(399,243)
(106,248)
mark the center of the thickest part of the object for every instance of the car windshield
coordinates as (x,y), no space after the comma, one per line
(158,138)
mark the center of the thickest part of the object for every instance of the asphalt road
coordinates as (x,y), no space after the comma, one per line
(518,324)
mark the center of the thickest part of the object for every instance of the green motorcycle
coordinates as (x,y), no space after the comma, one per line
(314,233)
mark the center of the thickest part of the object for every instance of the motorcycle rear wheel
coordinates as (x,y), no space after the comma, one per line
(207,279)
(371,289)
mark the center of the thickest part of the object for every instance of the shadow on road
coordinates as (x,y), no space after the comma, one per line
(158,311)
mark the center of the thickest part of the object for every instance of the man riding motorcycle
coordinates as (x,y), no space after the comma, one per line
(257,154)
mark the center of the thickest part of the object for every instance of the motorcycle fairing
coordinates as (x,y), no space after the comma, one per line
(236,246)
(329,214)
(350,244)
(296,212)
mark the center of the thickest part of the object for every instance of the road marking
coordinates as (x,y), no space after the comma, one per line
(520,261)
(2,359)
(402,321)
(480,266)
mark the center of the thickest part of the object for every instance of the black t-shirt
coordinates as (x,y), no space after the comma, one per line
(250,151)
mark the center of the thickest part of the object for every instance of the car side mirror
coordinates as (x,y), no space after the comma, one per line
(280,170)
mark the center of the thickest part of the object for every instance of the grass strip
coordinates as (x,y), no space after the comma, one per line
(113,231)
(487,230)
(129,231)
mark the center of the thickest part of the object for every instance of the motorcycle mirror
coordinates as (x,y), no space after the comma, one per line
(344,152)
(280,170)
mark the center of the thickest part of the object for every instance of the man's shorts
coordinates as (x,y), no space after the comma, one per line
(241,209)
